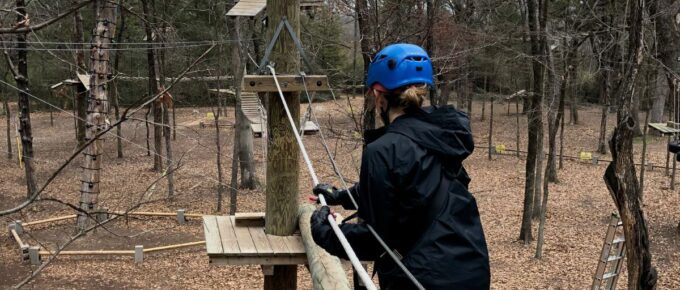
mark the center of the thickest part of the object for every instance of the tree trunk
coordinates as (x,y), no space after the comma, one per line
(116,96)
(368,115)
(643,159)
(491,130)
(24,103)
(81,92)
(167,134)
(283,169)
(97,108)
(558,114)
(668,35)
(620,174)
(660,96)
(233,184)
(535,122)
(8,116)
(574,109)
(246,156)
(153,85)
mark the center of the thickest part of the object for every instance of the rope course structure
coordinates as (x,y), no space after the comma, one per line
(34,253)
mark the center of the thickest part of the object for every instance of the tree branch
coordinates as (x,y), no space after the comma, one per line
(34,28)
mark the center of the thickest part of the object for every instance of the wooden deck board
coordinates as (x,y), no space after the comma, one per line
(245,241)
(294,244)
(260,240)
(213,242)
(278,244)
(228,244)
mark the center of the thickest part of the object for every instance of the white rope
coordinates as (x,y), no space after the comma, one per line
(365,278)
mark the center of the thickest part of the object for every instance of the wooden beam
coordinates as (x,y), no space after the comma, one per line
(288,83)
(326,269)
(249,219)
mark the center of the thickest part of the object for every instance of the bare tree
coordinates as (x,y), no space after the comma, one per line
(534,116)
(20,72)
(149,28)
(620,174)
(116,95)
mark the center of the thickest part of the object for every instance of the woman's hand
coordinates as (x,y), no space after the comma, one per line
(331,193)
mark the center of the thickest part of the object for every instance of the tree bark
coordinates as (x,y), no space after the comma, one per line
(167,134)
(97,108)
(116,97)
(21,78)
(149,27)
(668,35)
(535,121)
(283,154)
(620,174)
(8,116)
(246,156)
(81,91)
(368,115)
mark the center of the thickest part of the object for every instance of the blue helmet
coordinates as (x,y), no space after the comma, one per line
(399,65)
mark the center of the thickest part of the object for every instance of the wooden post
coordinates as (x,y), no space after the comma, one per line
(326,269)
(97,107)
(491,129)
(283,158)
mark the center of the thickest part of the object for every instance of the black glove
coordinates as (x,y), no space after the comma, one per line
(320,226)
(331,193)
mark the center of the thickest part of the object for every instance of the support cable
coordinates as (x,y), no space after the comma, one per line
(389,251)
(356,263)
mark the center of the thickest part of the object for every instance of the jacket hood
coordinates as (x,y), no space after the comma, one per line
(443,130)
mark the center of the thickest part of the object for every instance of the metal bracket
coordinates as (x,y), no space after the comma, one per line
(272,42)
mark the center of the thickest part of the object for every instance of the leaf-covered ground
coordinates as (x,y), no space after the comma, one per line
(579,205)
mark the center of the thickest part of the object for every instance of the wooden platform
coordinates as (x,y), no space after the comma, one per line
(665,128)
(251,8)
(228,244)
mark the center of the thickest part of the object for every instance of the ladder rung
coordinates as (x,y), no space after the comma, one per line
(618,240)
(620,223)
(609,275)
(614,258)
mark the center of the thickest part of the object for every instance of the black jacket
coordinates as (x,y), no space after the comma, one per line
(413,191)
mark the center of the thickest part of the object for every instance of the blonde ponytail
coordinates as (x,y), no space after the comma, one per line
(413,96)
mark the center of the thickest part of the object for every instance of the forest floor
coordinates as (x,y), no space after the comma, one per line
(579,207)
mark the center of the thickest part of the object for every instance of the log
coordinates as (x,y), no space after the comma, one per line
(172,247)
(326,269)
(55,219)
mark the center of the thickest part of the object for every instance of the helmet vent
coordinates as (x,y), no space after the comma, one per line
(416,58)
(419,68)
(392,64)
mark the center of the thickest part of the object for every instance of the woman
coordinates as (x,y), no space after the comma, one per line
(413,187)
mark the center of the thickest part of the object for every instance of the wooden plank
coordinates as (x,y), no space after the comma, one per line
(272,260)
(278,244)
(245,241)
(288,83)
(260,240)
(249,219)
(227,235)
(295,245)
(213,242)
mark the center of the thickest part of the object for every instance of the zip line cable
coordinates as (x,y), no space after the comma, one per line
(346,187)
(356,263)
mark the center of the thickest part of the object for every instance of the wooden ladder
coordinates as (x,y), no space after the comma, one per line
(611,259)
